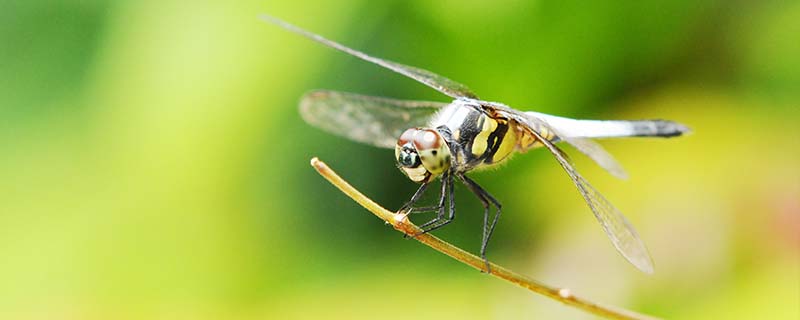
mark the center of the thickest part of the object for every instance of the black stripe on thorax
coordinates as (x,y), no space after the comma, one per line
(469,131)
(495,140)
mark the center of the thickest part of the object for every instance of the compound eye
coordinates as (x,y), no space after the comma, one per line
(427,139)
(408,158)
(407,136)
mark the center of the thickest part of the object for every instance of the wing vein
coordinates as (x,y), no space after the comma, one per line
(622,235)
(438,82)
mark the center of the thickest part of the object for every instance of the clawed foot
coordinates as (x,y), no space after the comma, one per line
(413,236)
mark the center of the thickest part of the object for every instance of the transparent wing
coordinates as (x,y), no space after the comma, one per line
(372,120)
(616,226)
(440,83)
(586,146)
(596,152)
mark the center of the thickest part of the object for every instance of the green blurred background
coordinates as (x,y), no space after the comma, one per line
(153,164)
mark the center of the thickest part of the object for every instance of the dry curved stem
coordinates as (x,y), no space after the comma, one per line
(401,223)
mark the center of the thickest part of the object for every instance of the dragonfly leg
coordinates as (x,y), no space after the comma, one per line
(447,189)
(417,195)
(488,228)
(408,208)
(441,220)
(424,209)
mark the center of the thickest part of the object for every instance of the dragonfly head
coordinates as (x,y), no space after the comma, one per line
(422,154)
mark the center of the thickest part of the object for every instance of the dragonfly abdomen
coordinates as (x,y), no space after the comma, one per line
(527,140)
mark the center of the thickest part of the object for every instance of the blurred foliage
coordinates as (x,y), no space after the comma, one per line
(154,165)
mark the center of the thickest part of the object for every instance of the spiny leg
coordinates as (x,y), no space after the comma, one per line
(417,195)
(447,192)
(408,207)
(425,209)
(438,208)
(487,200)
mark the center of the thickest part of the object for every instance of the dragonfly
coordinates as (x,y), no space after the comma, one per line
(445,141)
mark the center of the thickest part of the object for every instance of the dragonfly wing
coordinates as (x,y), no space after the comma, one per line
(440,83)
(616,226)
(614,223)
(540,124)
(372,120)
(596,152)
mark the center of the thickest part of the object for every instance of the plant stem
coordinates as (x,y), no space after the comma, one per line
(401,223)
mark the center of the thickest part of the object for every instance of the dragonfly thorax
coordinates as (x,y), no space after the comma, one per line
(481,138)
(422,154)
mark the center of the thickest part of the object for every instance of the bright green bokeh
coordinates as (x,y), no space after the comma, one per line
(153,164)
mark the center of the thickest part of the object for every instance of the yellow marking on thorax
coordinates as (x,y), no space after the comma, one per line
(506,147)
(479,143)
